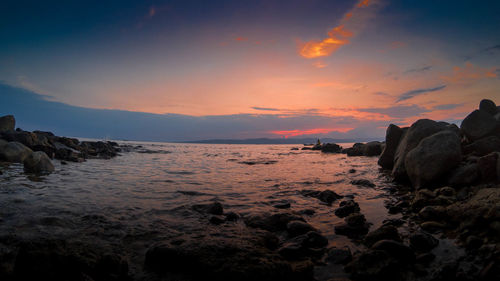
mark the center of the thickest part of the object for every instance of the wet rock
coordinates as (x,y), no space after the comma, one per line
(339,255)
(352,171)
(392,137)
(478,124)
(422,242)
(393,222)
(446,191)
(423,197)
(271,222)
(432,226)
(433,157)
(483,146)
(309,244)
(488,106)
(355,225)
(417,132)
(465,175)
(216,220)
(331,148)
(232,216)
(355,150)
(295,228)
(7,123)
(308,212)
(38,162)
(487,166)
(373,265)
(214,208)
(363,182)
(313,239)
(326,196)
(14,152)
(385,232)
(270,241)
(346,208)
(216,259)
(395,249)
(373,148)
(282,205)
(432,212)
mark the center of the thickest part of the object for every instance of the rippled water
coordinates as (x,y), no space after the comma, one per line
(146,196)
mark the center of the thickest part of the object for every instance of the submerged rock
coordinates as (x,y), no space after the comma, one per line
(346,208)
(432,158)
(214,208)
(355,225)
(363,182)
(295,228)
(385,232)
(38,162)
(14,152)
(271,222)
(326,196)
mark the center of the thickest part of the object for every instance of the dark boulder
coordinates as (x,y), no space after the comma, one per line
(331,148)
(295,228)
(423,242)
(7,123)
(355,226)
(483,146)
(417,132)
(346,208)
(363,182)
(385,232)
(393,135)
(464,175)
(479,124)
(487,166)
(432,158)
(373,148)
(488,106)
(39,163)
(326,196)
(14,152)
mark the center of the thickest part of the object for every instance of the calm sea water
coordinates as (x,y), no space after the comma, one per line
(138,198)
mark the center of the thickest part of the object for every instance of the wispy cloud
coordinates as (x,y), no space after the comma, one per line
(413,93)
(447,106)
(469,74)
(338,36)
(265,108)
(418,69)
(399,111)
(315,131)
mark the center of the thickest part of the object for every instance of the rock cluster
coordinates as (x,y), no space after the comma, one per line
(35,149)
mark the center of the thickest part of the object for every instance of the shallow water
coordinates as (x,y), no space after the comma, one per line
(144,196)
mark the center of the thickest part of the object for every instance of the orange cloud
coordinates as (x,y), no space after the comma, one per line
(293,133)
(241,39)
(337,36)
(469,74)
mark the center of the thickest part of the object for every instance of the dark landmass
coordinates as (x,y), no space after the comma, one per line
(279,141)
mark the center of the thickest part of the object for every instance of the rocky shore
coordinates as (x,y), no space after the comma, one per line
(446,191)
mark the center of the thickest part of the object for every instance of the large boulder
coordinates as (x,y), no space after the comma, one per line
(331,148)
(483,146)
(14,152)
(432,158)
(488,106)
(487,166)
(373,148)
(479,124)
(38,162)
(465,175)
(392,137)
(7,123)
(418,131)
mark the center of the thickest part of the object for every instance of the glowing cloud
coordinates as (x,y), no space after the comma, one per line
(293,133)
(469,74)
(337,36)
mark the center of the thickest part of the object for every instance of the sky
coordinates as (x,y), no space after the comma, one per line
(345,68)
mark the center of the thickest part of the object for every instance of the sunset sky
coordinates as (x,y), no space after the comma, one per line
(315,67)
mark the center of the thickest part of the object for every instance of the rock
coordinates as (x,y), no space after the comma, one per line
(423,197)
(392,137)
(425,258)
(7,123)
(219,259)
(373,148)
(346,208)
(232,216)
(315,240)
(352,171)
(446,191)
(14,152)
(355,150)
(295,228)
(395,249)
(214,208)
(339,255)
(38,162)
(216,220)
(488,106)
(355,225)
(417,131)
(478,124)
(432,226)
(423,242)
(473,242)
(374,265)
(282,205)
(464,175)
(487,166)
(309,244)
(271,222)
(331,148)
(385,232)
(326,196)
(483,146)
(432,158)
(363,182)
(432,212)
